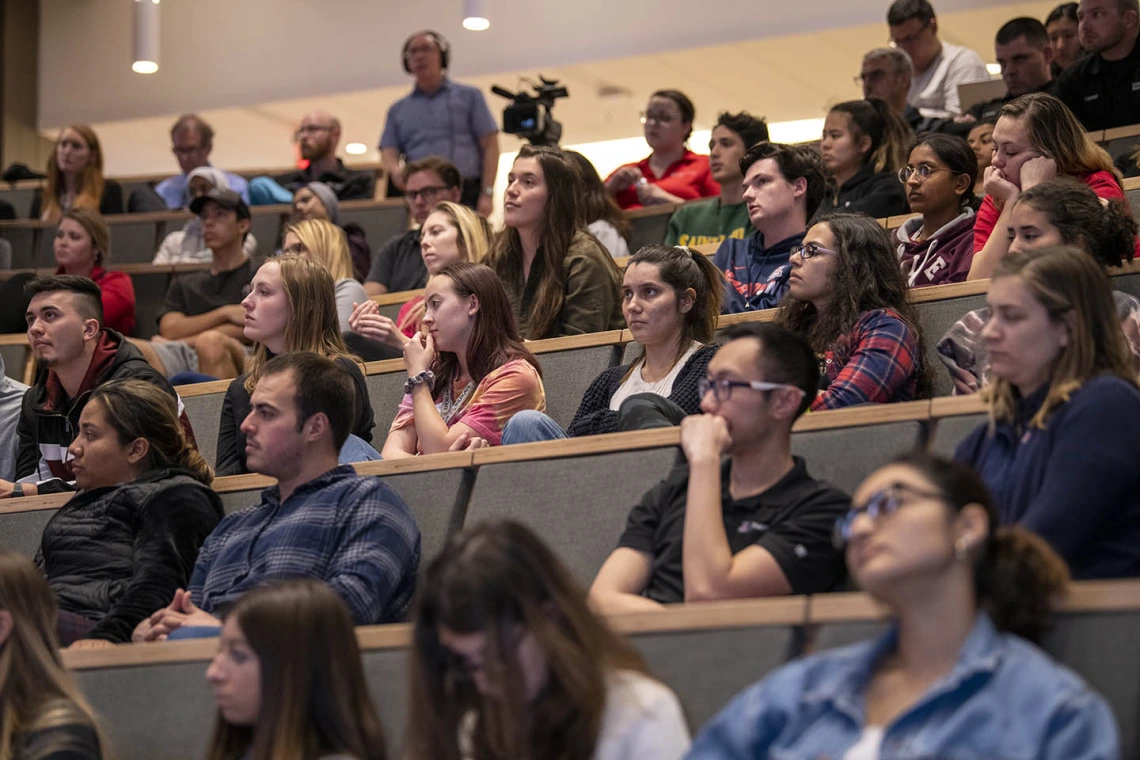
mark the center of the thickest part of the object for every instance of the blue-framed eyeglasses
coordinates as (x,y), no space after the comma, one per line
(884,502)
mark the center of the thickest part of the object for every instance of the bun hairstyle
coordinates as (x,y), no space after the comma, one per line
(890,135)
(1018,578)
(1106,230)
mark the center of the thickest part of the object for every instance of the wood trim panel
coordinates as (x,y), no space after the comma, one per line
(661,209)
(399,297)
(34,503)
(859,416)
(203,389)
(591,444)
(954,406)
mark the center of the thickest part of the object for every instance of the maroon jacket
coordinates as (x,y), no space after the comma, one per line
(943,257)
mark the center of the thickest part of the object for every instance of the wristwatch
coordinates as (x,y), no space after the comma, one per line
(426,377)
(17,490)
(488,190)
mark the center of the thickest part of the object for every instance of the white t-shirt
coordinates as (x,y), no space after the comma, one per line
(608,236)
(934,92)
(868,746)
(642,721)
(635,383)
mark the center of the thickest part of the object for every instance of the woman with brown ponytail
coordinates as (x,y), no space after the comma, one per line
(953,676)
(121,547)
(864,145)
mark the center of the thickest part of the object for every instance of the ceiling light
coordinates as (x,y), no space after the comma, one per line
(356,149)
(475,15)
(145,59)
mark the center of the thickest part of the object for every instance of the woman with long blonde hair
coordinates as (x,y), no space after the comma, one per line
(1059,451)
(323,241)
(291,306)
(450,233)
(43,715)
(1036,139)
(75,178)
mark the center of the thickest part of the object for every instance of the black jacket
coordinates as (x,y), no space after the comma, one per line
(346,183)
(594,416)
(115,555)
(877,195)
(1102,94)
(49,419)
(110,203)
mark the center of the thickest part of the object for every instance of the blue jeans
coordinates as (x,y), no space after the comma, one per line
(264,191)
(194,632)
(529,426)
(356,450)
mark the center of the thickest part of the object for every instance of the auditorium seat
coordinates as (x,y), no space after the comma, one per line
(952,420)
(20,198)
(203,402)
(650,225)
(23,241)
(936,316)
(385,381)
(23,522)
(134,242)
(14,349)
(570,364)
(380,220)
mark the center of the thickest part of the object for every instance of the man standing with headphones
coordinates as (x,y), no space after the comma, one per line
(442,118)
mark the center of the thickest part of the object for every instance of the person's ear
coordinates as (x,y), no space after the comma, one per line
(137,450)
(1047,51)
(970,528)
(934,26)
(6,625)
(962,186)
(472,305)
(687,300)
(316,426)
(799,187)
(785,403)
(864,144)
(245,225)
(91,328)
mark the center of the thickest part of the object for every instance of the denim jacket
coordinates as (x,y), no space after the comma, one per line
(1004,700)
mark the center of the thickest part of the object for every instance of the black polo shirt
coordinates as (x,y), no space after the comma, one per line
(399,264)
(794,520)
(989,110)
(1103,94)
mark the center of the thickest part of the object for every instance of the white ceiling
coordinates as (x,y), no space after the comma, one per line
(252,67)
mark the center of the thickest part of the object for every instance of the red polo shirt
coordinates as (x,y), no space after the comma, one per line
(688,178)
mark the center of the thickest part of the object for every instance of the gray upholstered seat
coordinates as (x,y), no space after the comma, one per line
(205,412)
(648,230)
(845,456)
(379,222)
(567,374)
(949,432)
(935,318)
(21,531)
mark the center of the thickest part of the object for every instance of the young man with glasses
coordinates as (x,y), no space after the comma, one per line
(742,517)
(783,188)
(399,265)
(939,67)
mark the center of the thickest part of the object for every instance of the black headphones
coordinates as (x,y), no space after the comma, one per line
(441,44)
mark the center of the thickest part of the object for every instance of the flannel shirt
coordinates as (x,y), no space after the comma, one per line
(877,362)
(352,532)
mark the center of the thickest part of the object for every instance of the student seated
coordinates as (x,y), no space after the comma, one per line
(46,715)
(187,246)
(75,178)
(1063,27)
(601,216)
(783,187)
(953,676)
(469,372)
(450,233)
(559,279)
(1058,212)
(320,521)
(1058,451)
(508,661)
(868,339)
(742,518)
(127,541)
(981,140)
(938,246)
(1036,139)
(317,201)
(288,679)
(289,309)
(714,219)
(76,355)
(82,248)
(325,243)
(671,298)
(671,173)
(864,147)
(192,140)
(11,400)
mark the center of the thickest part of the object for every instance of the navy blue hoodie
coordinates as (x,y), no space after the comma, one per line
(756,277)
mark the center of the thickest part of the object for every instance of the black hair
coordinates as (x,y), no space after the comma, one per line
(874,118)
(1105,230)
(750,129)
(322,388)
(1030,28)
(688,112)
(785,357)
(793,161)
(1017,576)
(89,303)
(956,153)
(902,11)
(1063,11)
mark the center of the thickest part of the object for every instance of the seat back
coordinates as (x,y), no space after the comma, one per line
(950,431)
(845,456)
(150,290)
(934,319)
(380,223)
(205,413)
(648,229)
(566,375)
(21,531)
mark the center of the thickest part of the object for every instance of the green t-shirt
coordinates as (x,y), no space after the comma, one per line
(707,221)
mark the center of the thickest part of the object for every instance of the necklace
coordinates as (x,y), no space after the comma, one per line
(448,408)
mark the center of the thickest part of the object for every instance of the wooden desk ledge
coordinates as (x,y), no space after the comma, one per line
(1132,183)
(954,406)
(659,209)
(633,440)
(203,389)
(14,339)
(867,414)
(399,297)
(34,503)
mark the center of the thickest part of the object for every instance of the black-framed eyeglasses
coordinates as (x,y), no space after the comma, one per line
(722,388)
(923,171)
(870,77)
(426,193)
(810,250)
(884,502)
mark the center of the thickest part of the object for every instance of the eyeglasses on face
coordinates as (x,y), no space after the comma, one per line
(922,170)
(427,193)
(309,129)
(870,77)
(722,389)
(882,503)
(810,250)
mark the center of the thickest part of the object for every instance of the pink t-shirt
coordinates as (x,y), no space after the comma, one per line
(511,388)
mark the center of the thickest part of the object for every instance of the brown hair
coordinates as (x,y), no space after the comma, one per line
(314,699)
(494,578)
(683,269)
(194,123)
(138,409)
(95,226)
(37,692)
(1054,131)
(313,322)
(595,202)
(1106,230)
(1072,287)
(444,168)
(890,135)
(495,339)
(90,185)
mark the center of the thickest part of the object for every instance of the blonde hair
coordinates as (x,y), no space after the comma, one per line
(1073,288)
(1054,131)
(313,322)
(474,230)
(327,244)
(95,226)
(90,184)
(37,692)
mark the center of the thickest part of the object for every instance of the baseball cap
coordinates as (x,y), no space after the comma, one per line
(227,199)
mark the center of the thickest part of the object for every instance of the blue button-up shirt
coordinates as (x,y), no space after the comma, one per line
(448,123)
(1004,699)
(176,191)
(352,532)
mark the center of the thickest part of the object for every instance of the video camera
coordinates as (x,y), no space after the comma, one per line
(529,115)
